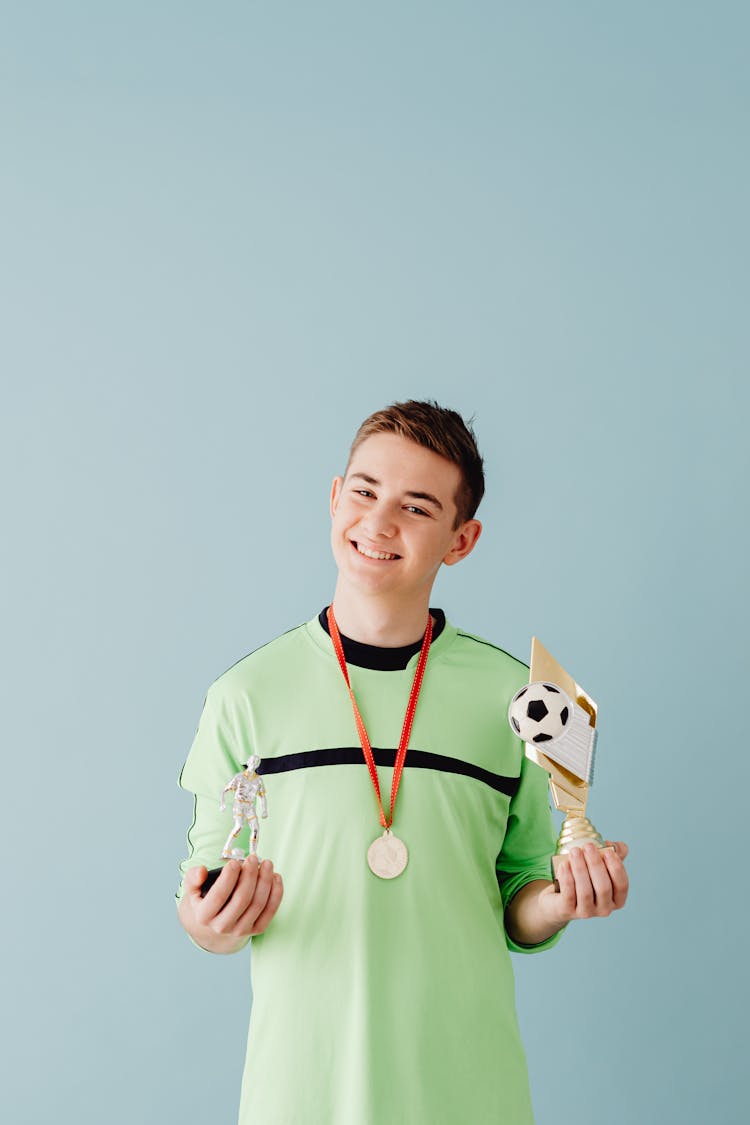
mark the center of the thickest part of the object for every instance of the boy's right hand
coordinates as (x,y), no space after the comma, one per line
(242,902)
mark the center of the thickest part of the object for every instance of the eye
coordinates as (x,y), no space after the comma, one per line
(417,511)
(363,492)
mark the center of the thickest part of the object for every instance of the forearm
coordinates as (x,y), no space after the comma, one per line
(525,922)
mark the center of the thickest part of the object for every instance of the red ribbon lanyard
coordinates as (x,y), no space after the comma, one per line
(408,717)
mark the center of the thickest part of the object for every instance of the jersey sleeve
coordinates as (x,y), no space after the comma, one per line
(529,843)
(212,762)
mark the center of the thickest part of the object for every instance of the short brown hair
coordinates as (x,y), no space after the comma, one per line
(441,430)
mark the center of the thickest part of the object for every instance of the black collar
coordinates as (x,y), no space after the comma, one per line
(383,659)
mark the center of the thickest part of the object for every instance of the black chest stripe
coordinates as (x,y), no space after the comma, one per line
(415,759)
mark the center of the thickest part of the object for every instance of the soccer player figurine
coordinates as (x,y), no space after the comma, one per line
(248,787)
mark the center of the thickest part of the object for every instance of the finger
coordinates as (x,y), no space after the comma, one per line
(618,877)
(274,899)
(621,848)
(260,898)
(567,888)
(193,881)
(584,887)
(220,892)
(241,897)
(600,881)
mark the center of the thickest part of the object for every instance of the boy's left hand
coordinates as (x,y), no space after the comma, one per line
(592,884)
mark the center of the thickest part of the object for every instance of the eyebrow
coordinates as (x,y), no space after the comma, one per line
(412,495)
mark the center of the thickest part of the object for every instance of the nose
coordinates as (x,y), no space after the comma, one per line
(380,522)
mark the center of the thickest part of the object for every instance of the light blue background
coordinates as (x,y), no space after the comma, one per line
(231,231)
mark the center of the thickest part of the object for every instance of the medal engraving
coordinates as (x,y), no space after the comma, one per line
(387,856)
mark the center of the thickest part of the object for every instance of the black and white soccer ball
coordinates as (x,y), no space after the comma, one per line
(540,712)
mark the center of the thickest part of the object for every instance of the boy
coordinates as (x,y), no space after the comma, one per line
(382,984)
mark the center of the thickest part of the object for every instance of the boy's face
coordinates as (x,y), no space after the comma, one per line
(393,518)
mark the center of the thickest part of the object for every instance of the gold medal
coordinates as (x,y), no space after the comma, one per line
(387,856)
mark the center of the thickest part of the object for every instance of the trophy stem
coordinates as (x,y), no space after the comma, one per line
(575,832)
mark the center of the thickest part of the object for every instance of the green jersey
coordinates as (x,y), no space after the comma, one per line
(379,1001)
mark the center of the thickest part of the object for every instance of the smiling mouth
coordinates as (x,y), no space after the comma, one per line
(381,556)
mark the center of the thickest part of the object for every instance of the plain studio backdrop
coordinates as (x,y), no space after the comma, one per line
(230,232)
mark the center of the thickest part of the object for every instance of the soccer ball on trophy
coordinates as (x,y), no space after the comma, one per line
(540,712)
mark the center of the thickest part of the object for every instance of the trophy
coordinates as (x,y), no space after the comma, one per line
(556,719)
(248,789)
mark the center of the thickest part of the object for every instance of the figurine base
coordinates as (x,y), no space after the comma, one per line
(215,872)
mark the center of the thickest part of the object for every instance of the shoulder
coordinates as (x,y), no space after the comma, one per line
(271,660)
(474,643)
(485,659)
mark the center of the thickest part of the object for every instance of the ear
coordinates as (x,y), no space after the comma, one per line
(335,494)
(464,542)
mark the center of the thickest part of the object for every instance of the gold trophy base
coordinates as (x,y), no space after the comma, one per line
(575,832)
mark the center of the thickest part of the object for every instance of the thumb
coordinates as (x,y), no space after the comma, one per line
(194,878)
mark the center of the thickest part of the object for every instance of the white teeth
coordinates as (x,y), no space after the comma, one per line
(374,554)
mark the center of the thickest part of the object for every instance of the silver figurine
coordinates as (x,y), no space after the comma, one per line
(248,788)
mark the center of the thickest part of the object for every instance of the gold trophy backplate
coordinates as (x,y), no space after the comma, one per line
(569,792)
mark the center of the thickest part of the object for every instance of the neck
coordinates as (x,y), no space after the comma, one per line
(375,621)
